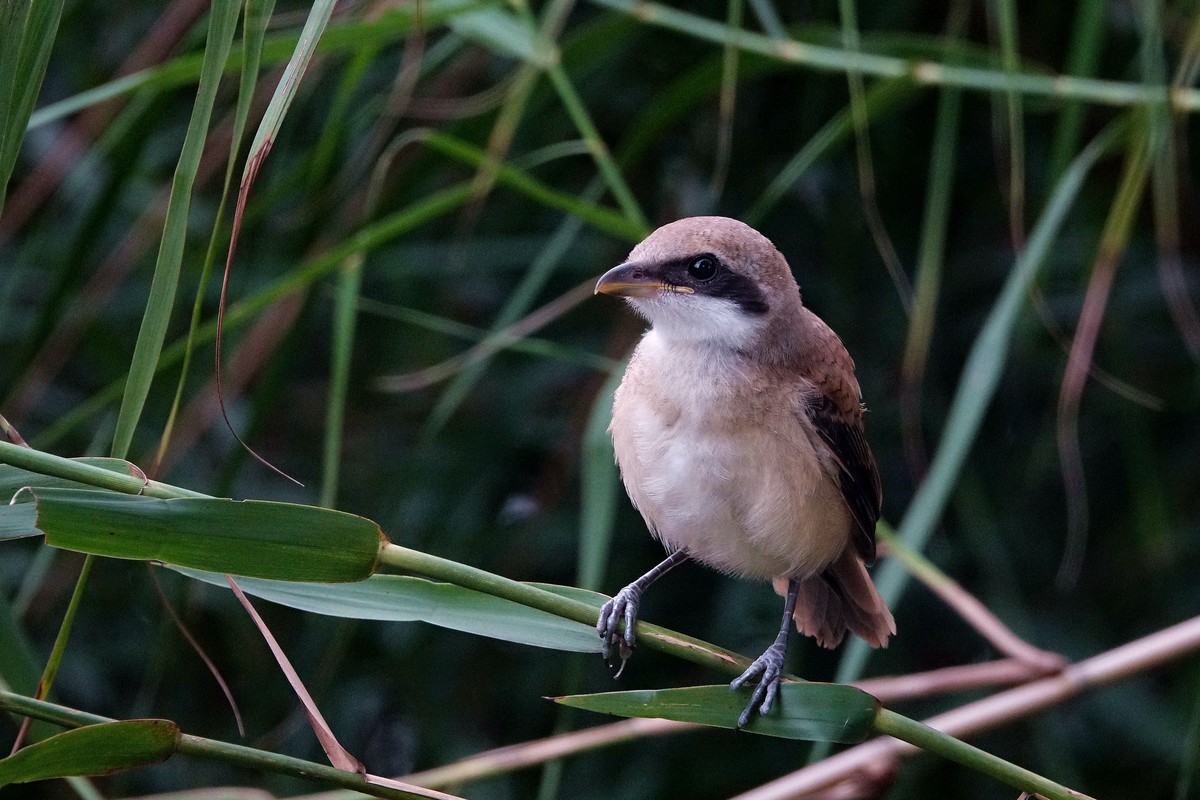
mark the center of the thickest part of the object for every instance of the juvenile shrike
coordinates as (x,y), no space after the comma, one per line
(738,428)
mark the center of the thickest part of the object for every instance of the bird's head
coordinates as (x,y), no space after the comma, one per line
(706,279)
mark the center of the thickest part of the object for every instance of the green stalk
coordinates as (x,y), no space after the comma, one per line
(1114,239)
(1087,36)
(603,218)
(344,315)
(346,38)
(653,636)
(934,741)
(730,57)
(1006,23)
(579,115)
(213,750)
(599,150)
(50,672)
(69,469)
(244,310)
(931,251)
(926,73)
(521,298)
(504,130)
(980,377)
(488,341)
(879,99)
(848,12)
(598,486)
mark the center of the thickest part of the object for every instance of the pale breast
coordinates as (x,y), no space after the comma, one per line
(720,461)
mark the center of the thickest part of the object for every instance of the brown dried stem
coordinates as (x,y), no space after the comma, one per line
(1137,656)
(973,612)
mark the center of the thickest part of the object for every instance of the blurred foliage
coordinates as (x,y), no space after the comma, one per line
(485,469)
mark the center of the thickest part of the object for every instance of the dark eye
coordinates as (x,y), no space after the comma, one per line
(703,268)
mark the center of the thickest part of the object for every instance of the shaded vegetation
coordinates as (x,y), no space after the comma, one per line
(445,175)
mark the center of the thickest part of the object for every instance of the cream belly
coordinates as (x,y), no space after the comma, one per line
(737,496)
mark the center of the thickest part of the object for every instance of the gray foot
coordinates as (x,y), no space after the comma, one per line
(768,670)
(622,607)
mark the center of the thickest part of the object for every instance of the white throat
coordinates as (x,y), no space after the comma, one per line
(696,318)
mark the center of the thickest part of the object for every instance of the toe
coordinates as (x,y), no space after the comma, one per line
(602,621)
(769,699)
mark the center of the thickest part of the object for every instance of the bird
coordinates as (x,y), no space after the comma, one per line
(738,431)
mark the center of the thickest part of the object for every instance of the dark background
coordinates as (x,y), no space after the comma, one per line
(498,484)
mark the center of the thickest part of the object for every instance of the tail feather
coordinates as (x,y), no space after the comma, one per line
(841,598)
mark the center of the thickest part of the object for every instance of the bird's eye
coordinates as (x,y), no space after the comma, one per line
(703,268)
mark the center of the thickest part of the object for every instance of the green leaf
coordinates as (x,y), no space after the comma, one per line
(500,31)
(27,33)
(283,541)
(93,750)
(153,331)
(13,479)
(400,598)
(18,517)
(285,92)
(825,712)
(17,521)
(598,488)
(18,667)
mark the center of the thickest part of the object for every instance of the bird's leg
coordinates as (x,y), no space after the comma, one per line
(768,668)
(625,606)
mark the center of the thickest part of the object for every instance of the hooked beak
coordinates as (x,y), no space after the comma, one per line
(636,280)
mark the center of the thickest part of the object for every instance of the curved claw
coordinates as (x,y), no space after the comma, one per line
(768,670)
(624,606)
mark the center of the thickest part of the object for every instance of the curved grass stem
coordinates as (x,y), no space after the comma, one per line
(934,741)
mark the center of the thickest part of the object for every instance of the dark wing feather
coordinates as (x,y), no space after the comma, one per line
(858,477)
(834,407)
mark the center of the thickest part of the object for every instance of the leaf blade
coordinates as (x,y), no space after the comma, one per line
(829,712)
(403,598)
(93,750)
(284,541)
(163,286)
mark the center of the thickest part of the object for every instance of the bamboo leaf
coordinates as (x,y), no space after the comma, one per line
(401,598)
(226,752)
(254,27)
(17,520)
(93,750)
(283,541)
(18,516)
(285,92)
(170,254)
(825,712)
(27,33)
